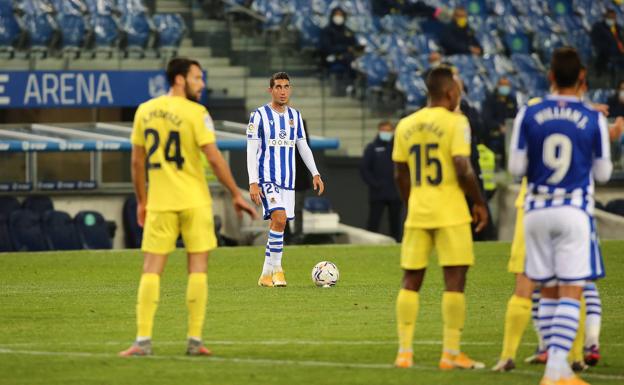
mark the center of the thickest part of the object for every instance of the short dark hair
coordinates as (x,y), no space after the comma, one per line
(276,76)
(384,123)
(179,66)
(566,66)
(438,81)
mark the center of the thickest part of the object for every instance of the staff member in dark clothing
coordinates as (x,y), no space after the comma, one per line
(499,106)
(377,170)
(616,102)
(338,44)
(458,37)
(608,40)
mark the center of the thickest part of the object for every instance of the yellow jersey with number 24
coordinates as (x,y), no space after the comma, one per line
(172,129)
(427,141)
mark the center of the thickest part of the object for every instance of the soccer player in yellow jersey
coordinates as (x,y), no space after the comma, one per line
(169,134)
(433,171)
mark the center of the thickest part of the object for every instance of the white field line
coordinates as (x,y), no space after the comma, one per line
(268,342)
(270,361)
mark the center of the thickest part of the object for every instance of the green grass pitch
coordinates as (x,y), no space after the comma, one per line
(64,316)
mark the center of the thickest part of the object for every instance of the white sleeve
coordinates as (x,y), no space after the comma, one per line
(602,166)
(252,160)
(307,156)
(518,152)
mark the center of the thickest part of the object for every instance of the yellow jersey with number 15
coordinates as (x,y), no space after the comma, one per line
(172,129)
(427,141)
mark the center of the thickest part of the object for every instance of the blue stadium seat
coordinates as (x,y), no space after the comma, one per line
(560,7)
(414,89)
(8,204)
(600,95)
(104,25)
(72,20)
(38,20)
(309,31)
(467,65)
(475,7)
(517,43)
(25,230)
(10,30)
(59,231)
(170,28)
(38,203)
(133,232)
(421,43)
(275,12)
(138,30)
(374,67)
(616,206)
(317,205)
(92,230)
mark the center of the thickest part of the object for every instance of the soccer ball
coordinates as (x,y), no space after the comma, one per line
(325,274)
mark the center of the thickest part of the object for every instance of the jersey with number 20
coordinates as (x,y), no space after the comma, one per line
(427,141)
(172,129)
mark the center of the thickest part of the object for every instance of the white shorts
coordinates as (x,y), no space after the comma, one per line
(277,198)
(561,245)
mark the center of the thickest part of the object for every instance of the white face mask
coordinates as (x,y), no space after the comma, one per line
(435,63)
(338,19)
(621,96)
(610,22)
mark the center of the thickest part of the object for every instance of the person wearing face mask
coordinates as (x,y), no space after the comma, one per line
(377,171)
(608,40)
(338,48)
(458,38)
(499,105)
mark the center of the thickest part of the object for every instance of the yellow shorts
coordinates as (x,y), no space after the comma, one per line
(162,229)
(518,249)
(453,245)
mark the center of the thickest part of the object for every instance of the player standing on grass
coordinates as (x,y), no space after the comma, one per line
(561,144)
(169,134)
(432,156)
(273,132)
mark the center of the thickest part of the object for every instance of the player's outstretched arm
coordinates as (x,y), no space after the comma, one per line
(138,180)
(223,173)
(469,183)
(402,179)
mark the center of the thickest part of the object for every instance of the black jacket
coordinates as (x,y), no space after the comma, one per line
(496,109)
(616,108)
(336,40)
(377,170)
(456,40)
(403,7)
(603,40)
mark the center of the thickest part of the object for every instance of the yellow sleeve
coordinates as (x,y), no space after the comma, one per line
(137,137)
(203,128)
(460,142)
(521,194)
(400,153)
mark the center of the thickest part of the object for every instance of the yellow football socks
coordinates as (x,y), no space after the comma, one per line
(196,298)
(407,310)
(147,302)
(516,321)
(576,353)
(454,316)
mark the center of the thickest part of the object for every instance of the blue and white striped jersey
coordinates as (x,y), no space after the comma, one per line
(278,135)
(561,137)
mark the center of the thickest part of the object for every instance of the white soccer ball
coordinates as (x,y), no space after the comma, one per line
(325,274)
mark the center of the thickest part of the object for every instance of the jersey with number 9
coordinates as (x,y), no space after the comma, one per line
(172,129)
(427,141)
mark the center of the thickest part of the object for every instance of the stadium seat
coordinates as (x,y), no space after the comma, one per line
(560,7)
(72,19)
(10,30)
(475,7)
(8,204)
(616,206)
(59,231)
(517,43)
(38,20)
(317,205)
(309,32)
(171,30)
(92,230)
(133,232)
(374,68)
(138,30)
(422,44)
(25,231)
(414,89)
(104,25)
(38,203)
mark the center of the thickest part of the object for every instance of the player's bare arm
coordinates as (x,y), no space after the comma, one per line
(402,179)
(138,180)
(468,182)
(222,171)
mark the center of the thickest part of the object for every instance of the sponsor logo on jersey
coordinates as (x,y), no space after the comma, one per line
(281,143)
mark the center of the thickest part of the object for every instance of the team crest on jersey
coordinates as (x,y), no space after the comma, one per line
(208,122)
(291,123)
(271,121)
(282,134)
(273,200)
(251,128)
